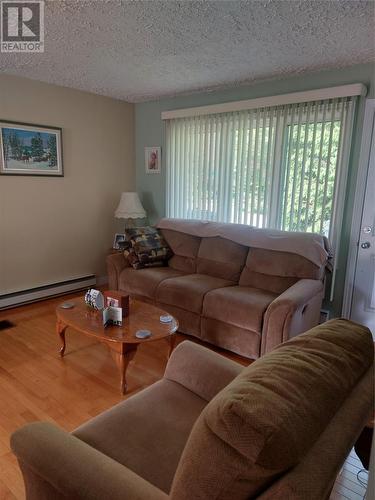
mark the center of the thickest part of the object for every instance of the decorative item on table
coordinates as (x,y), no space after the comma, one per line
(114,298)
(112,316)
(119,242)
(166,318)
(94,299)
(143,334)
(67,305)
(27,149)
(153,160)
(130,208)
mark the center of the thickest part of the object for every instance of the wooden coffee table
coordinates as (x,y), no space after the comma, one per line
(121,340)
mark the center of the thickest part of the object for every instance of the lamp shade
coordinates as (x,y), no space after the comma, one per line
(130,207)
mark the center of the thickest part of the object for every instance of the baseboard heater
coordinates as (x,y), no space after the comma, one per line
(45,292)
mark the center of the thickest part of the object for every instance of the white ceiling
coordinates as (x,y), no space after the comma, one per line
(141,50)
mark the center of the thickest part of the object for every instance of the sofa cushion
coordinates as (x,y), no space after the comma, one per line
(221,258)
(266,420)
(146,247)
(276,271)
(148,431)
(185,249)
(144,282)
(187,292)
(240,306)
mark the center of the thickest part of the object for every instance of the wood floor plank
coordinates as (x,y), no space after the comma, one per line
(350,476)
(354,461)
(5,493)
(341,493)
(355,487)
(338,494)
(351,468)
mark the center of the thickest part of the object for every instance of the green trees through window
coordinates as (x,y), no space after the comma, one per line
(309,173)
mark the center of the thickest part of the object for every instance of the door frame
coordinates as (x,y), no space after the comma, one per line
(359,198)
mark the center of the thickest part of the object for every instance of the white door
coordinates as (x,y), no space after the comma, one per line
(363,299)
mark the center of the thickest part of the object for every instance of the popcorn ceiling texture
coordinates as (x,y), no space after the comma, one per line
(142,50)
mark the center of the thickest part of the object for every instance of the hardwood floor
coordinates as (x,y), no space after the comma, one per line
(352,481)
(36,384)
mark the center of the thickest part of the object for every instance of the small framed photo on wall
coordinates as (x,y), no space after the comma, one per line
(153,159)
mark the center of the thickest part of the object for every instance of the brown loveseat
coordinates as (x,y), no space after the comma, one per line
(280,430)
(238,287)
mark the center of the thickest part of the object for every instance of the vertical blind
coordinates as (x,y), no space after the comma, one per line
(280,167)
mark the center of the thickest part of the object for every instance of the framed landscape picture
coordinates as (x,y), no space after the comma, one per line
(27,149)
(152,159)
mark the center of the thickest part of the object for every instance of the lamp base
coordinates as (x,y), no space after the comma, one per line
(132,223)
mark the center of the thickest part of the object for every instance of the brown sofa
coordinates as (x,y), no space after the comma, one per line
(280,430)
(238,287)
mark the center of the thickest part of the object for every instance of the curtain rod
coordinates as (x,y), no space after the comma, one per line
(356,89)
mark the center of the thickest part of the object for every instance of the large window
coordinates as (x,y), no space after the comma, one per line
(279,167)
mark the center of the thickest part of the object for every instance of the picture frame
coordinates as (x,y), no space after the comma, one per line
(30,149)
(153,159)
(119,241)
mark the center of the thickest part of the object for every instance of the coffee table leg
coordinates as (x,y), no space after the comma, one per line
(172,344)
(60,330)
(123,357)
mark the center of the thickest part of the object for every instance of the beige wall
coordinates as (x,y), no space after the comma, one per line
(55,229)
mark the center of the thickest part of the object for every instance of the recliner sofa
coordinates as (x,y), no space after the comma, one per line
(238,287)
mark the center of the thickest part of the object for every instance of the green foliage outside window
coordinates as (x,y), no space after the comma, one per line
(309,170)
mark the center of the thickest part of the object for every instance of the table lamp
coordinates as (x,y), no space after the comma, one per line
(130,208)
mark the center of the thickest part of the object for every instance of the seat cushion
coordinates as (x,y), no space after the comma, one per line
(266,420)
(240,306)
(187,292)
(144,281)
(147,432)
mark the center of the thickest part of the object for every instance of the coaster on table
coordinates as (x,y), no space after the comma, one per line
(166,318)
(143,334)
(67,305)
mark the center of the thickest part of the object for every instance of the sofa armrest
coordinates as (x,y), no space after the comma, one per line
(294,311)
(314,475)
(200,370)
(116,262)
(62,463)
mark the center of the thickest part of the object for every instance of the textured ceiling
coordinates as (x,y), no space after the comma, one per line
(140,50)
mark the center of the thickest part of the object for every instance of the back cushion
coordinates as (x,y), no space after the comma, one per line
(221,258)
(185,248)
(266,420)
(276,271)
